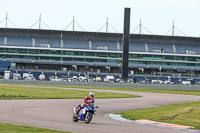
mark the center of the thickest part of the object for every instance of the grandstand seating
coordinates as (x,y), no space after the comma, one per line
(91,51)
(17,60)
(196,68)
(111,45)
(166,47)
(19,41)
(75,44)
(20,60)
(76,63)
(137,65)
(54,42)
(167,67)
(84,44)
(181,48)
(47,62)
(137,47)
(1,40)
(154,66)
(188,68)
(151,58)
(160,66)
(61,62)
(105,64)
(184,68)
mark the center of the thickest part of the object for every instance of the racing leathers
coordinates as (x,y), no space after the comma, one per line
(86,101)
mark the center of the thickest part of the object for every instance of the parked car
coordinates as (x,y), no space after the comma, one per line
(82,79)
(188,82)
(98,79)
(16,76)
(30,78)
(55,78)
(156,81)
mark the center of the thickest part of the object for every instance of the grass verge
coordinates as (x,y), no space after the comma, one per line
(10,128)
(20,92)
(171,90)
(182,114)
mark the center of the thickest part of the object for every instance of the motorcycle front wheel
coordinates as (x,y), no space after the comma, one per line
(75,118)
(88,118)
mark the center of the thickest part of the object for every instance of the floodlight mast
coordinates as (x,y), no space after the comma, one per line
(173,29)
(140,30)
(107,26)
(126,38)
(6,20)
(40,22)
(73,28)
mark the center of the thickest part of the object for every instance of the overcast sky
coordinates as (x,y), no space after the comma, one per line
(156,15)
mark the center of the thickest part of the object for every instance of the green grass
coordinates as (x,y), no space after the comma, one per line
(183,114)
(10,128)
(170,90)
(20,92)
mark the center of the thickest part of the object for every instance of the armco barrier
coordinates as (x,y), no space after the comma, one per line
(97,84)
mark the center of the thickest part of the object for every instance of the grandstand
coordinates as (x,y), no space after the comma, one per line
(53,50)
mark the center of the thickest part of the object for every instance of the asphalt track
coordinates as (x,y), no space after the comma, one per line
(57,113)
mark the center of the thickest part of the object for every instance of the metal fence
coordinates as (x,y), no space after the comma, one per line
(111,85)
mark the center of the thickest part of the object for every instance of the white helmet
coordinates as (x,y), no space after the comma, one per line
(91,94)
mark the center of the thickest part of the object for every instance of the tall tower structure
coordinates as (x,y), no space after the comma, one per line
(126,38)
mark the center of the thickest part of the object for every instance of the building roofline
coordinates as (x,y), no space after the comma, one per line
(97,36)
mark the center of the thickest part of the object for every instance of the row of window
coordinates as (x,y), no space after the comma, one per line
(98,60)
(59,52)
(96,54)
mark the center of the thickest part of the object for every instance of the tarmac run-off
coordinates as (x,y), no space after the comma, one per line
(57,113)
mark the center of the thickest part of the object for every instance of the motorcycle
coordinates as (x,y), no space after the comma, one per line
(85,114)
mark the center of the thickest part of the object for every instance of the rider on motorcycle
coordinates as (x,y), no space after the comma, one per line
(88,99)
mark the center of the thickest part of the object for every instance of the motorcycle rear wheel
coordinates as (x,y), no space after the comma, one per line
(75,118)
(88,118)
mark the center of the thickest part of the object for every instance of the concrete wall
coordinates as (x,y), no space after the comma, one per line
(112,85)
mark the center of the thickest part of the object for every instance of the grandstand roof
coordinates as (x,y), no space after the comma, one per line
(97,36)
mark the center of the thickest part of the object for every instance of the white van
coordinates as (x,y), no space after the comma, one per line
(156,81)
(186,82)
(110,79)
(16,76)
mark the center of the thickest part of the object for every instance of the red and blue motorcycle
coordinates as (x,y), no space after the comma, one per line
(85,114)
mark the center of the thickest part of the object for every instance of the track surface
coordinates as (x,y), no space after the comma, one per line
(57,113)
